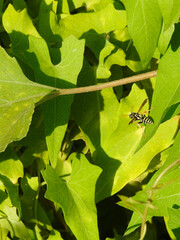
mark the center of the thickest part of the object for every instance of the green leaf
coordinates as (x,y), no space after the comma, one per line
(77,200)
(32,210)
(102,71)
(18,98)
(10,221)
(166,196)
(174,220)
(13,192)
(29,187)
(34,143)
(165,38)
(112,141)
(170,10)
(10,165)
(89,4)
(121,146)
(43,39)
(103,21)
(167,88)
(1,6)
(89,110)
(92,26)
(144,25)
(19,5)
(54,235)
(63,75)
(19,22)
(109,56)
(138,162)
(132,59)
(44,28)
(57,110)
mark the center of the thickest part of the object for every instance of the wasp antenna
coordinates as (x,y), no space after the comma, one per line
(152,108)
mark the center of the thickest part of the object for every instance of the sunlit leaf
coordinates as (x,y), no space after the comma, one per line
(10,165)
(167,88)
(77,200)
(170,10)
(62,75)
(17,102)
(10,221)
(167,196)
(112,140)
(144,25)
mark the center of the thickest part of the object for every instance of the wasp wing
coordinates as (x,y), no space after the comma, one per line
(142,105)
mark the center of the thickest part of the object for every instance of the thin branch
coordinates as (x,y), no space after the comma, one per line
(98,87)
(143,225)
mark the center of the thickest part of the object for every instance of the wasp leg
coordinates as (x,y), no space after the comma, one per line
(143,130)
(132,121)
(138,124)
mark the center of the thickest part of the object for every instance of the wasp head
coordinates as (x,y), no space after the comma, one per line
(132,115)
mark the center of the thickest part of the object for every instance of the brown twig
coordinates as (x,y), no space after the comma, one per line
(115,83)
(143,225)
(59,91)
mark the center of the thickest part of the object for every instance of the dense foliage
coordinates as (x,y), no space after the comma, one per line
(71,167)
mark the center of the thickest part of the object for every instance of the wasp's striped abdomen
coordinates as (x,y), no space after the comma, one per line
(141,118)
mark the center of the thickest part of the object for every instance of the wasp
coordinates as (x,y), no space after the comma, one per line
(136,116)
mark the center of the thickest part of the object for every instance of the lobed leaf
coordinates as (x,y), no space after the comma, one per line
(76,197)
(62,75)
(17,102)
(164,197)
(102,21)
(94,27)
(10,223)
(112,141)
